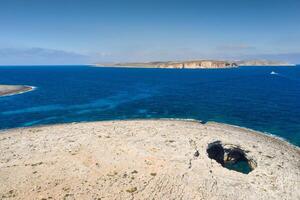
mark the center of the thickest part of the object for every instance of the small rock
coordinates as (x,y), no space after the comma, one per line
(131,190)
(196,154)
(170,141)
(153,174)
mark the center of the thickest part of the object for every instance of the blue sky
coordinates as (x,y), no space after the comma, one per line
(87,31)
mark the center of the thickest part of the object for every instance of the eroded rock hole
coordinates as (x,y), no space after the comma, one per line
(232,157)
(216,151)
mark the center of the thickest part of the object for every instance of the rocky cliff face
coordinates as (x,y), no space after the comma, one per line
(198,64)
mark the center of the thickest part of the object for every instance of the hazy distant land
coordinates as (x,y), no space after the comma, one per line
(195,64)
(14,89)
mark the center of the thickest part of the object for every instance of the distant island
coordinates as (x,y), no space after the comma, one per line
(195,64)
(6,90)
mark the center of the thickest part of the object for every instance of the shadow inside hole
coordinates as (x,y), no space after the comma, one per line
(231,158)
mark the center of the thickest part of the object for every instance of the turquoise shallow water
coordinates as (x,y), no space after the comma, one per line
(250,96)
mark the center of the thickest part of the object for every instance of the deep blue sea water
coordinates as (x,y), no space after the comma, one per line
(249,96)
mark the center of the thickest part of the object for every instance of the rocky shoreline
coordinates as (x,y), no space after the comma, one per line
(6,90)
(146,159)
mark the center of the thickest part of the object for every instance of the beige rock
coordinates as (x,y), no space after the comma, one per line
(143,159)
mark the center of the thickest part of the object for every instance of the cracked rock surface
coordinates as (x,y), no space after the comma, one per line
(142,159)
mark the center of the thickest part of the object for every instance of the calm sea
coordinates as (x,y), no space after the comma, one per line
(248,96)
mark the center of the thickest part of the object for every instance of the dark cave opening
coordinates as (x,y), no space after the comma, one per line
(232,158)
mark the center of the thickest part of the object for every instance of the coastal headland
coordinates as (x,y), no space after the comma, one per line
(194,64)
(6,90)
(146,159)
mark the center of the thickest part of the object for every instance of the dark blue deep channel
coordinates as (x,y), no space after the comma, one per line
(248,96)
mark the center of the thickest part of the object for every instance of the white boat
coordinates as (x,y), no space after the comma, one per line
(273,73)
